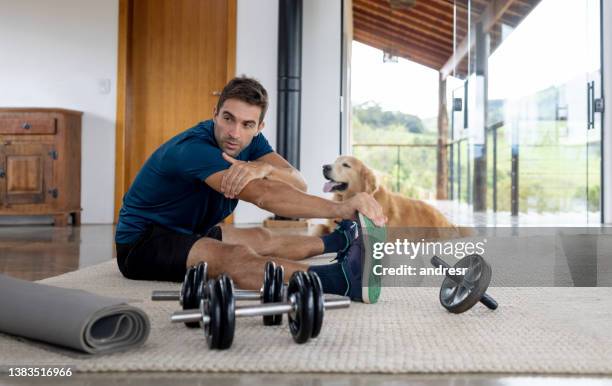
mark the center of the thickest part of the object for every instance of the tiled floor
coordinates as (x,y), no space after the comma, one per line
(36,252)
(464,215)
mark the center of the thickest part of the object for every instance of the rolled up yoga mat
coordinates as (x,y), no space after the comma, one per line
(70,317)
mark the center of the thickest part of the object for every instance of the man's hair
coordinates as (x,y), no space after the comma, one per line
(248,90)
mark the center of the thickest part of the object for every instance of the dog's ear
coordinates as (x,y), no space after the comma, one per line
(369,180)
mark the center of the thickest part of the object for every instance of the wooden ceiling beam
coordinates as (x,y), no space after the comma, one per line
(404,32)
(422,61)
(390,45)
(510,20)
(400,38)
(394,42)
(374,41)
(409,23)
(422,9)
(492,14)
(424,32)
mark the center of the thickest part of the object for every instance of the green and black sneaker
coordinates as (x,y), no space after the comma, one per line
(358,262)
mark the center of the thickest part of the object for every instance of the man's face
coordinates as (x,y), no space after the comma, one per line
(236,123)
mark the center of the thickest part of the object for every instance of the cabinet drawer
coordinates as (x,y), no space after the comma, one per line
(27,126)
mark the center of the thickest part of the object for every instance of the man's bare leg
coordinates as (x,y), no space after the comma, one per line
(264,242)
(241,262)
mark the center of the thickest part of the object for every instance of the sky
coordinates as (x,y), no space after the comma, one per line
(553,45)
(403,86)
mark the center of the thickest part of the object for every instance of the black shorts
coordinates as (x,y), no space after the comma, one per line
(159,254)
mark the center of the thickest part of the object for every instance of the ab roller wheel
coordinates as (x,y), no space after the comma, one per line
(459,293)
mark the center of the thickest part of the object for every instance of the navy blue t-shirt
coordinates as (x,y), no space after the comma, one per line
(170,191)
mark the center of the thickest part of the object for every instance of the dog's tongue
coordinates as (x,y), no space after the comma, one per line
(329,185)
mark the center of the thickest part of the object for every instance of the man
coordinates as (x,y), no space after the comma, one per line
(171,215)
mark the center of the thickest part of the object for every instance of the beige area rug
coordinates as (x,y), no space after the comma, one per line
(535,330)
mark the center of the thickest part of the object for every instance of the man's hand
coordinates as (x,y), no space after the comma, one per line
(365,204)
(240,174)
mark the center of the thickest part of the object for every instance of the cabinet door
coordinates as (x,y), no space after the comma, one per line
(26,173)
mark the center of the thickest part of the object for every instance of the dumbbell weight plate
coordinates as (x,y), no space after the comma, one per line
(199,275)
(202,274)
(268,290)
(189,295)
(225,289)
(301,322)
(460,293)
(279,280)
(211,306)
(186,287)
(319,304)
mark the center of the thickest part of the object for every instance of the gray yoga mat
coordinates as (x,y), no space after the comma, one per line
(70,318)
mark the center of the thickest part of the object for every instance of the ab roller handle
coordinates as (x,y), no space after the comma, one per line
(485,299)
(258,310)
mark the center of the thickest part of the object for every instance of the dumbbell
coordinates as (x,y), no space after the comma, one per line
(196,277)
(305,307)
(190,290)
(459,293)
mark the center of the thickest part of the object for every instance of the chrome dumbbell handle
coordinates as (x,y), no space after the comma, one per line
(258,310)
(240,294)
(165,295)
(175,295)
(244,311)
(189,316)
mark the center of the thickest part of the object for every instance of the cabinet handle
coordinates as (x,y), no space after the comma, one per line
(216,93)
(26,126)
(2,173)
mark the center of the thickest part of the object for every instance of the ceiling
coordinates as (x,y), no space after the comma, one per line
(423,33)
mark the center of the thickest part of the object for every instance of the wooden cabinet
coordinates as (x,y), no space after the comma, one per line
(40,163)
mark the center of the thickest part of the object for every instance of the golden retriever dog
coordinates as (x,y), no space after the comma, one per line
(348,176)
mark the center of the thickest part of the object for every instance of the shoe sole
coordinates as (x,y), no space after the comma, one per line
(371,234)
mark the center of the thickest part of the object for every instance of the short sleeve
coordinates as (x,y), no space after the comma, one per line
(259,147)
(197,159)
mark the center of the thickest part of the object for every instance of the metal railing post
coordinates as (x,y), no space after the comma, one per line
(397,181)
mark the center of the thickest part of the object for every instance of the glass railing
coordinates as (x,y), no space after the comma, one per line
(409,169)
(532,178)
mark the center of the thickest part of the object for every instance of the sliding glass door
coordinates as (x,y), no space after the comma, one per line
(542,117)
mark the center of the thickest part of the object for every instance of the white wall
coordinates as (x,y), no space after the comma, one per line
(256,56)
(607,135)
(257,46)
(321,52)
(53,54)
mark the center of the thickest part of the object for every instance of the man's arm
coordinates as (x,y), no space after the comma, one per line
(284,200)
(271,166)
(283,171)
